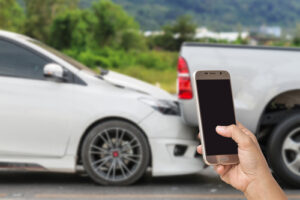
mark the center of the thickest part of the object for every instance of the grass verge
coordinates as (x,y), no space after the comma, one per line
(165,79)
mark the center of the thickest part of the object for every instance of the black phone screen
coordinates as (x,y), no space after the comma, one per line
(216,108)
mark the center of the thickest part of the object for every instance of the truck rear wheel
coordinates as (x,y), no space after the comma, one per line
(283,150)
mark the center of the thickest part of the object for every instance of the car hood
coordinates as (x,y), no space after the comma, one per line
(137,85)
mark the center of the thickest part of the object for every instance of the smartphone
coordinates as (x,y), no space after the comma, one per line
(215,107)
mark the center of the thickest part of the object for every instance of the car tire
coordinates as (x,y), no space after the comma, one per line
(115,153)
(283,151)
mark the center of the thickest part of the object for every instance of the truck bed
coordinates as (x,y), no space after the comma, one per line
(258,75)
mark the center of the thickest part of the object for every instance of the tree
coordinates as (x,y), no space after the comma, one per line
(11,16)
(107,24)
(183,29)
(39,16)
(71,29)
(111,21)
(132,39)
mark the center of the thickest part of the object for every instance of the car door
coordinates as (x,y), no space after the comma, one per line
(35,113)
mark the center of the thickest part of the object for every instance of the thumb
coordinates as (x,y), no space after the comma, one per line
(232,131)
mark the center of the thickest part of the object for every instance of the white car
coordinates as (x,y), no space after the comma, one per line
(57,115)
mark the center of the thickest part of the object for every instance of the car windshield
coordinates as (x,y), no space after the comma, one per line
(66,58)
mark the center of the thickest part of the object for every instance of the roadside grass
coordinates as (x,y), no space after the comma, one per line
(165,79)
(157,67)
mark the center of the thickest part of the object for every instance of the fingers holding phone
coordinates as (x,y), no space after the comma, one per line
(229,146)
(252,167)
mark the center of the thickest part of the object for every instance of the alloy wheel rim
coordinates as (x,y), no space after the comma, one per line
(115,154)
(291,151)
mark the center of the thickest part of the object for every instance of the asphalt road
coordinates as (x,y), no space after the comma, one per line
(25,185)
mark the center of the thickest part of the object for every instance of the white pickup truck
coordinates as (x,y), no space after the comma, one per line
(266,90)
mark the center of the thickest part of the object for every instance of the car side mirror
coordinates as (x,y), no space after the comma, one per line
(54,71)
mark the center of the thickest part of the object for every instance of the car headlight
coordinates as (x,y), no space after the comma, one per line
(166,107)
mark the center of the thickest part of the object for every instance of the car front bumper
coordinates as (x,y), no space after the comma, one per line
(165,134)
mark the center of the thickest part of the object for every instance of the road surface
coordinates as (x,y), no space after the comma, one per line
(52,186)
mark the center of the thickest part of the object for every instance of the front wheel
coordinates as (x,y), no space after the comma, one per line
(115,153)
(284,150)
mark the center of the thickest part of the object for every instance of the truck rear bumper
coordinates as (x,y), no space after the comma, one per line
(189,112)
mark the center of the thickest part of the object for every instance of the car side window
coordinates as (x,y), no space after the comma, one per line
(17,61)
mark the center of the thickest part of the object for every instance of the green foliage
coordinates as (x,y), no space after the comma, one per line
(156,67)
(40,14)
(159,60)
(71,30)
(240,40)
(110,23)
(132,39)
(296,40)
(166,78)
(11,16)
(118,58)
(183,29)
(106,24)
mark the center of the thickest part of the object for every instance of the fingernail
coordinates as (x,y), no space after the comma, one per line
(220,128)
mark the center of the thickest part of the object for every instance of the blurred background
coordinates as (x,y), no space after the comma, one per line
(142,37)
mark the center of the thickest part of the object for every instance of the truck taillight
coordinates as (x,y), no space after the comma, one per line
(182,67)
(184,80)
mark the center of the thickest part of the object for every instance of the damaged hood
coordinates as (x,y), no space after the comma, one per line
(137,85)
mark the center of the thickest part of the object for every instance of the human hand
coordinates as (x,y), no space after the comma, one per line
(252,173)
